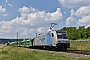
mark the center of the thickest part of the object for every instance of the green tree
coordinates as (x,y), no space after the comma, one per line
(77,33)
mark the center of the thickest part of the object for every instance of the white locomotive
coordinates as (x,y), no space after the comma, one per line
(53,39)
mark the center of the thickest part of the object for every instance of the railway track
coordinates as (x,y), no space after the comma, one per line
(77,52)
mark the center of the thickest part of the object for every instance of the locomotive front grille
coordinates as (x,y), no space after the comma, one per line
(63,45)
(63,41)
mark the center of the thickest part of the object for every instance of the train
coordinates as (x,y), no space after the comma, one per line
(23,43)
(52,40)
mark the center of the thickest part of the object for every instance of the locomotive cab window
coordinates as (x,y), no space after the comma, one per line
(52,35)
(62,35)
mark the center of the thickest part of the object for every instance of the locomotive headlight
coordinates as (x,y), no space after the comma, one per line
(67,41)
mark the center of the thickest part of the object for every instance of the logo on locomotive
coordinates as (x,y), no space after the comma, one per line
(42,39)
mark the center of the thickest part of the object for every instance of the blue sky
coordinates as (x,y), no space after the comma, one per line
(12,11)
(28,17)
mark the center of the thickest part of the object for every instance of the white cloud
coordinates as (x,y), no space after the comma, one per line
(25,11)
(25,32)
(87,26)
(72,19)
(79,17)
(41,29)
(54,16)
(6,1)
(80,14)
(10,4)
(74,3)
(65,13)
(84,21)
(4,14)
(82,11)
(2,9)
(31,21)
(72,12)
(83,15)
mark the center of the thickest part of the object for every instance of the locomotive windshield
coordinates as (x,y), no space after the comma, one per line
(62,35)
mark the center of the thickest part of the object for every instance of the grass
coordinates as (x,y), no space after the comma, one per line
(79,46)
(18,53)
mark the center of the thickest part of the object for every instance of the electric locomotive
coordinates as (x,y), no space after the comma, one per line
(53,39)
